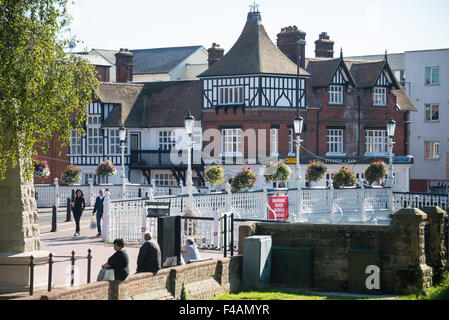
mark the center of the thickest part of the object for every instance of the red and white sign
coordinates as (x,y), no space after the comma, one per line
(280,206)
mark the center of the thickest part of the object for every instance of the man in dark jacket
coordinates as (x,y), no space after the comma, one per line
(149,259)
(99,210)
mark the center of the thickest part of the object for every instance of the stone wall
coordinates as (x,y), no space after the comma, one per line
(203,280)
(402,247)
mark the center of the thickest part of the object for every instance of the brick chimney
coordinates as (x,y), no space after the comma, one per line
(124,66)
(287,42)
(324,47)
(215,54)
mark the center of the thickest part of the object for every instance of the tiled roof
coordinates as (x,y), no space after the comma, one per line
(253,53)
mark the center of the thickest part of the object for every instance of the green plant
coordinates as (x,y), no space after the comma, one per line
(44,90)
(245,179)
(277,171)
(184,295)
(214,175)
(315,171)
(376,171)
(344,178)
(41,169)
(106,168)
(71,176)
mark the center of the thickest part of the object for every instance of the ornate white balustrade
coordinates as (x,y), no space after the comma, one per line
(420,200)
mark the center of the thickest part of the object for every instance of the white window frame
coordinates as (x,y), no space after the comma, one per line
(75,143)
(95,139)
(96,180)
(231,95)
(336,94)
(431,106)
(376,142)
(335,142)
(274,145)
(114,142)
(291,142)
(164,179)
(430,81)
(380,96)
(434,150)
(166,140)
(231,142)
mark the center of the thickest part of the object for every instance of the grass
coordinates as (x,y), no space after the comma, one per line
(269,294)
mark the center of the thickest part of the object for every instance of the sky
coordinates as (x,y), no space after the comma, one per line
(360,27)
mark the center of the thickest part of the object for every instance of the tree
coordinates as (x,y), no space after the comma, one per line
(43,90)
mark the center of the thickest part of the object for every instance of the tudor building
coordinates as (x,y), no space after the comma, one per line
(345,103)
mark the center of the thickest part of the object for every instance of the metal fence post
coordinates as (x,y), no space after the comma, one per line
(89,264)
(72,274)
(50,271)
(232,235)
(31,275)
(54,218)
(225,235)
(68,216)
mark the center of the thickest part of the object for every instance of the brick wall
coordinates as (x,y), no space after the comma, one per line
(403,248)
(203,280)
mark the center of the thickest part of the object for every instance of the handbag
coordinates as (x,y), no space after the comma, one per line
(106,275)
(93,222)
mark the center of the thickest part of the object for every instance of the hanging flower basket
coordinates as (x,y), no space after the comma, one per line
(344,178)
(41,169)
(277,172)
(245,179)
(315,171)
(71,176)
(376,171)
(106,169)
(214,175)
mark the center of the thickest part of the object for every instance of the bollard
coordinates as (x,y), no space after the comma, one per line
(139,193)
(89,264)
(50,271)
(72,274)
(54,219)
(73,195)
(68,217)
(31,275)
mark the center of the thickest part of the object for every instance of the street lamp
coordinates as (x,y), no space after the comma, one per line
(298,125)
(122,137)
(189,122)
(391,128)
(299,43)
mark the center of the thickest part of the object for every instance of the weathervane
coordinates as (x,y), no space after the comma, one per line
(254,7)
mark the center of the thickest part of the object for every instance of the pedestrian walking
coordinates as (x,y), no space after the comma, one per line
(78,207)
(119,261)
(98,208)
(149,258)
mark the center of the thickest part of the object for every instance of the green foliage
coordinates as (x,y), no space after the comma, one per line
(184,293)
(214,175)
(277,171)
(43,90)
(106,169)
(376,171)
(245,179)
(315,171)
(344,178)
(71,176)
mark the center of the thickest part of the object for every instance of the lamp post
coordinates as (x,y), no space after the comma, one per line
(189,122)
(122,137)
(299,43)
(298,124)
(391,128)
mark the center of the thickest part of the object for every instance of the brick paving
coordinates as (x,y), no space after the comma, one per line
(62,243)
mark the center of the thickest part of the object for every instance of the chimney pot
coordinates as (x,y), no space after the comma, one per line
(287,42)
(324,47)
(215,54)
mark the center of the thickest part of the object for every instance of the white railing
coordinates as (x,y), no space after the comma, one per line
(420,200)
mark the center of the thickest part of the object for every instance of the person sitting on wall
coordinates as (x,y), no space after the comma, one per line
(190,251)
(119,261)
(149,259)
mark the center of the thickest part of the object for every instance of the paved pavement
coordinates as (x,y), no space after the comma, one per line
(63,242)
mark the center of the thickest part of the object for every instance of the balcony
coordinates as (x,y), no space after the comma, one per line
(164,159)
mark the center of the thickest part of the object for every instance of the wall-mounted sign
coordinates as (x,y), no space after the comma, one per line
(279,205)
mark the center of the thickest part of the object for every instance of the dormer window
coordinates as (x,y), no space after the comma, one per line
(380,96)
(336,95)
(230,95)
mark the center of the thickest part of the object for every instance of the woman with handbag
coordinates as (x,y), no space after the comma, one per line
(78,207)
(119,261)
